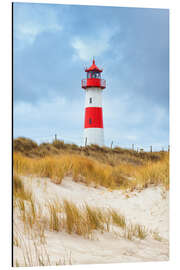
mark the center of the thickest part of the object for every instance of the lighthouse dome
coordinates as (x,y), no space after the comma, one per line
(93,67)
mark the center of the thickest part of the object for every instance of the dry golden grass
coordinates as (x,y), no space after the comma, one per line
(51,167)
(111,168)
(90,171)
(153,173)
(19,190)
(55,223)
(118,219)
(98,166)
(103,154)
(135,231)
(66,216)
(83,220)
(95,217)
(74,221)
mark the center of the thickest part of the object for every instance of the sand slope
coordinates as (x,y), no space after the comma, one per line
(148,207)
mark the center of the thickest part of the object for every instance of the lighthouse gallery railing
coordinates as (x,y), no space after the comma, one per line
(93,82)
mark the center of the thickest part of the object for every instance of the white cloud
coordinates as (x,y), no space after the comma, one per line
(85,49)
(30,30)
(30,22)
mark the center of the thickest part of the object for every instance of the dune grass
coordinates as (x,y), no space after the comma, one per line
(100,166)
(93,165)
(19,189)
(154,173)
(90,171)
(106,155)
(66,216)
(117,219)
(54,220)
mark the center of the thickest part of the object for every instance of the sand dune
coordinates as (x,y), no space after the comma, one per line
(148,207)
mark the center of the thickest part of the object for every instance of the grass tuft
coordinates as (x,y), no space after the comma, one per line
(54,223)
(117,219)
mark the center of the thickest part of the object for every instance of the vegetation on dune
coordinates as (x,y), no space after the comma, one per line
(154,173)
(104,166)
(24,145)
(88,170)
(66,216)
(106,155)
(19,189)
(92,165)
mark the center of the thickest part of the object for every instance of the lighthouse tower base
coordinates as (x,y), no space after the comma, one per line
(94,136)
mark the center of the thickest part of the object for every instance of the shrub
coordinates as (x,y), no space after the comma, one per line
(23,145)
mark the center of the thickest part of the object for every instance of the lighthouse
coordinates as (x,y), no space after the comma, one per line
(93,121)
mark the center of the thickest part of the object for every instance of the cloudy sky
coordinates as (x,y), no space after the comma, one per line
(53,44)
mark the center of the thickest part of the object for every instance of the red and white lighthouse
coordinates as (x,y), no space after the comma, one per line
(93,122)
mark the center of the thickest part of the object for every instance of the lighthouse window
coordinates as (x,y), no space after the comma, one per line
(93,75)
(90,121)
(90,100)
(96,75)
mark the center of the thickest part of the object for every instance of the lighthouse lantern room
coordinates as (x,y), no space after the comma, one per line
(93,122)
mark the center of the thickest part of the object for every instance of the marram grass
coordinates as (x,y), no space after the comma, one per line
(90,171)
(66,216)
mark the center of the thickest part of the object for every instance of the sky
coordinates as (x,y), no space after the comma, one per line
(53,43)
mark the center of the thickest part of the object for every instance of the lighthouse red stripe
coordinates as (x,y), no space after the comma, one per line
(93,117)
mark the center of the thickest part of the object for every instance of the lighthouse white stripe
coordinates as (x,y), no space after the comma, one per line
(93,97)
(94,136)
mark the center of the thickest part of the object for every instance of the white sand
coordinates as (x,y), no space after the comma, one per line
(148,207)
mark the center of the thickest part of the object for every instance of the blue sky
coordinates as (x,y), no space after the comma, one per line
(52,45)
